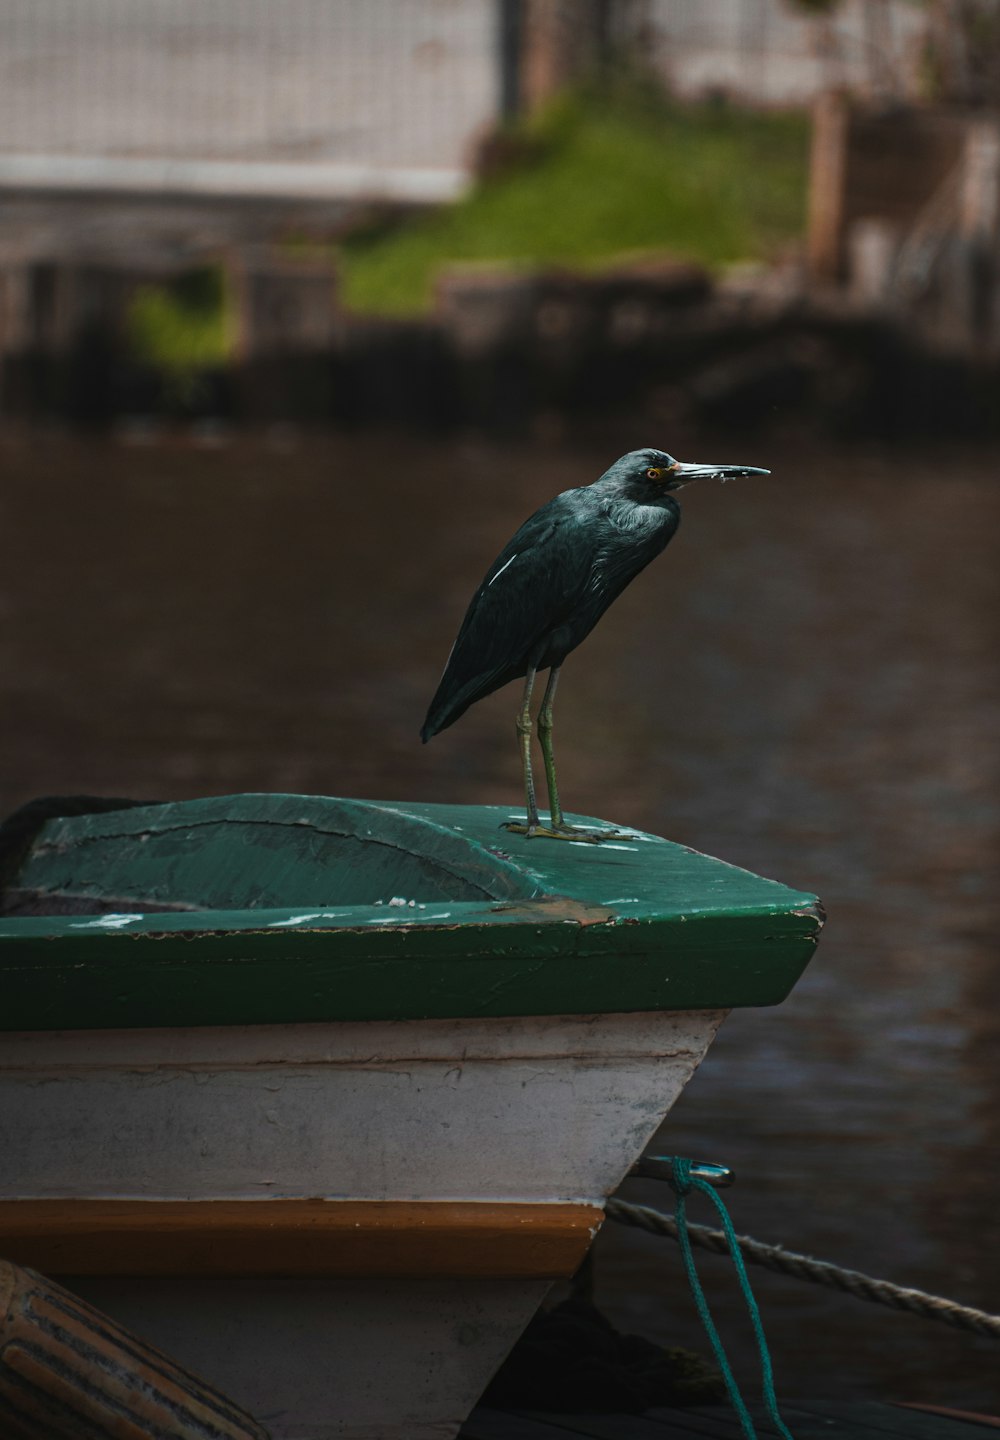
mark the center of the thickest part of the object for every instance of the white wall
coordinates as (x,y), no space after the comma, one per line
(378,82)
(770,51)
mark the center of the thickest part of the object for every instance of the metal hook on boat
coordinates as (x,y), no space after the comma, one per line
(660,1167)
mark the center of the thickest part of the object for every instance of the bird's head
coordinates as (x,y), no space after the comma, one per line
(648,473)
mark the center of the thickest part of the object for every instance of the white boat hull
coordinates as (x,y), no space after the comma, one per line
(516,1122)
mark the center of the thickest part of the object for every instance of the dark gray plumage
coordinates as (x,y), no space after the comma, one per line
(551,584)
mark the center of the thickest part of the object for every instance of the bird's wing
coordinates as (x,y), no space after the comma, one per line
(531,588)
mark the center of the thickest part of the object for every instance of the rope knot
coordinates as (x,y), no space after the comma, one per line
(680,1175)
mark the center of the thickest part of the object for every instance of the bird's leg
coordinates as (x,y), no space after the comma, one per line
(523,727)
(557,828)
(545,740)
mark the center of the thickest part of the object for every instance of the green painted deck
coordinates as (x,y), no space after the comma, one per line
(276,908)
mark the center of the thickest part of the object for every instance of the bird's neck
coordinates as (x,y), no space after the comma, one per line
(633,511)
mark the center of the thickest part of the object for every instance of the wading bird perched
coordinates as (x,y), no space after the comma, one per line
(546,591)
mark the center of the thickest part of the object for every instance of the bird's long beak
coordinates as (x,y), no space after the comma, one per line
(683,474)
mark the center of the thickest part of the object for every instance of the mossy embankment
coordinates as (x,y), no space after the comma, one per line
(593,180)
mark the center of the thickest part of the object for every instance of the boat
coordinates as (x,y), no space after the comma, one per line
(320,1096)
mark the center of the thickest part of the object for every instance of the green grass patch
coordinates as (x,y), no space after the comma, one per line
(600,179)
(185,325)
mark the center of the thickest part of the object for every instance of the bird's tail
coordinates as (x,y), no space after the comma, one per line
(439,717)
(450,703)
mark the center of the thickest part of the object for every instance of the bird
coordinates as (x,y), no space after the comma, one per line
(546,591)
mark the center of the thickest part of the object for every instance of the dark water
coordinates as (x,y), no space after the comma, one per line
(805,684)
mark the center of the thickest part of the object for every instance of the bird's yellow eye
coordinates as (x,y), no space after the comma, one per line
(654,474)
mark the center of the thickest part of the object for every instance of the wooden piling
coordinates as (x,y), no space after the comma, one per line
(69,1372)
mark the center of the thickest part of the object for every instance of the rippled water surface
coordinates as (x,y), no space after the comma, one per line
(806,684)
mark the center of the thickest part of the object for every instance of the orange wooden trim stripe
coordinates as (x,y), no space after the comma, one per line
(442,1238)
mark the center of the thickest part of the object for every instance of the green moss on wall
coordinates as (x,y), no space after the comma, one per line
(184,325)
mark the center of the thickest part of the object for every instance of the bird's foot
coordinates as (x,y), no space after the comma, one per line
(579,833)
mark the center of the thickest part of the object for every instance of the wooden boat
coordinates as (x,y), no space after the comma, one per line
(320,1096)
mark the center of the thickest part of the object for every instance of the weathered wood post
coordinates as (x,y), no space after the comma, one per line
(545,45)
(288,324)
(827,180)
(979,214)
(68,1371)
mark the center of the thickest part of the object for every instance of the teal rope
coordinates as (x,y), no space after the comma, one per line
(683,1182)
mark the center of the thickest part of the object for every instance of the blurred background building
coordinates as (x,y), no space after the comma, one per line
(335,96)
(250,152)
